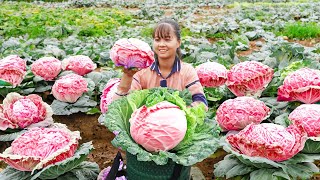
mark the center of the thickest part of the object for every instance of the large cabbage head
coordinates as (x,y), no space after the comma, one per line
(212,74)
(24,111)
(269,140)
(47,68)
(160,127)
(249,78)
(236,114)
(69,88)
(301,85)
(131,53)
(307,116)
(40,147)
(13,69)
(107,94)
(79,64)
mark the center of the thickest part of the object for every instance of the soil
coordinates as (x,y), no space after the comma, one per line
(307,43)
(253,47)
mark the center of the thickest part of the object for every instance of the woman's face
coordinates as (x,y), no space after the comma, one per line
(165,47)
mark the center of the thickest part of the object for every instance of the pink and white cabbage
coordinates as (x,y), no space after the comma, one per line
(301,85)
(160,127)
(69,88)
(107,94)
(79,64)
(268,140)
(24,112)
(13,69)
(47,68)
(212,74)
(131,53)
(40,147)
(236,114)
(249,78)
(307,116)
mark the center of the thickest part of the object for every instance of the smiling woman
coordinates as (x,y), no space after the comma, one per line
(168,70)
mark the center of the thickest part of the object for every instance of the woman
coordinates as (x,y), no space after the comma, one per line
(168,70)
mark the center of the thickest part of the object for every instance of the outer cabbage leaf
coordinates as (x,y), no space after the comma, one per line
(72,168)
(300,166)
(83,104)
(12,136)
(312,145)
(56,170)
(201,135)
(10,173)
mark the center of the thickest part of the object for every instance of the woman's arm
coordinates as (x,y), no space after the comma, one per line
(194,86)
(127,82)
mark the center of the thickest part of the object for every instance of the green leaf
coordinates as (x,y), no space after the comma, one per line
(57,169)
(258,162)
(4,83)
(214,94)
(311,146)
(238,170)
(282,119)
(86,171)
(302,158)
(222,167)
(83,104)
(303,171)
(67,176)
(94,111)
(42,88)
(262,174)
(12,136)
(10,174)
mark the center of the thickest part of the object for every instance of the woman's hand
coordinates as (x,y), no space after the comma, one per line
(126,80)
(130,72)
(196,103)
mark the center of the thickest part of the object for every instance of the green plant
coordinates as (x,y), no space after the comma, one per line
(301,30)
(17,19)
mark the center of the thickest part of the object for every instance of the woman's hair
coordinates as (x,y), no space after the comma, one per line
(162,30)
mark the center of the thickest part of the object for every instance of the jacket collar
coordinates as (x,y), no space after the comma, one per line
(176,67)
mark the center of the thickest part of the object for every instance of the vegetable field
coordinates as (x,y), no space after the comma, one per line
(268,50)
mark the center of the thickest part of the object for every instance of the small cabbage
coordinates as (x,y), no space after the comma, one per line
(212,74)
(13,69)
(249,78)
(236,114)
(107,94)
(47,68)
(40,147)
(69,88)
(160,127)
(79,64)
(307,116)
(24,111)
(269,140)
(131,53)
(301,85)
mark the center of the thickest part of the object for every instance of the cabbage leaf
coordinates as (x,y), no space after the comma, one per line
(300,166)
(71,168)
(201,136)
